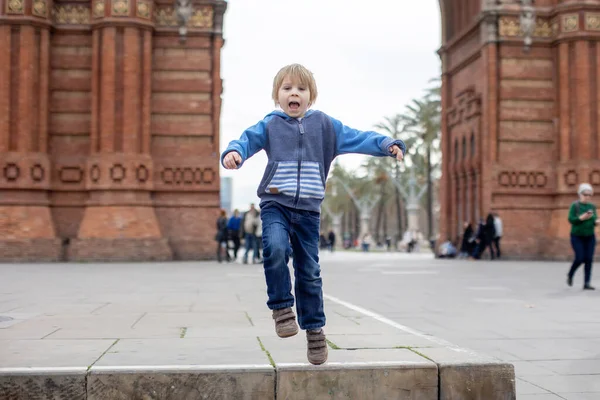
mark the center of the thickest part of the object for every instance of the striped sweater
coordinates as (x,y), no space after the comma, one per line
(300,153)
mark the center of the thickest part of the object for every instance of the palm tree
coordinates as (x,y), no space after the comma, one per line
(423,121)
(394,127)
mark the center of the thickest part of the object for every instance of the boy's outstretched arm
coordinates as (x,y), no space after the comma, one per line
(251,142)
(366,142)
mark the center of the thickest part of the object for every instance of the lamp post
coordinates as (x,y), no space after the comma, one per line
(527,20)
(183,10)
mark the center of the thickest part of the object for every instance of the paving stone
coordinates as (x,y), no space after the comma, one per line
(187,351)
(51,353)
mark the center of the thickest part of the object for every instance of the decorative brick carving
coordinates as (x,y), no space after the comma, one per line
(468,106)
(37,173)
(117,173)
(99,8)
(592,21)
(595,177)
(120,8)
(165,17)
(571,178)
(201,17)
(522,179)
(570,23)
(142,173)
(15,7)
(143,9)
(71,15)
(188,176)
(71,174)
(11,172)
(510,27)
(95,173)
(40,8)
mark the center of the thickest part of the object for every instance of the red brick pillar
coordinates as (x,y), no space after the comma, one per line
(119,222)
(26,227)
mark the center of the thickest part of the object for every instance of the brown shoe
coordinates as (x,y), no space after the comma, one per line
(316,346)
(285,322)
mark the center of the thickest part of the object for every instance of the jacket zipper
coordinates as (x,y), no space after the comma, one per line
(299,163)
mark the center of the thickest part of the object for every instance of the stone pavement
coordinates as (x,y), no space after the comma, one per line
(121,331)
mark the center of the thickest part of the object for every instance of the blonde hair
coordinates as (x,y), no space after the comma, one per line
(299,72)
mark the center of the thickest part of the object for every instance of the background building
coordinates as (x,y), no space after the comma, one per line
(520,128)
(109,129)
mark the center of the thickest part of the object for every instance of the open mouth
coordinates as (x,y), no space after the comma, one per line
(294,105)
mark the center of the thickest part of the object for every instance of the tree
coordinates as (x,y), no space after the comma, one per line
(394,127)
(423,121)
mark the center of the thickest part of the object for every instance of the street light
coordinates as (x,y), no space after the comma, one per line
(183,10)
(527,22)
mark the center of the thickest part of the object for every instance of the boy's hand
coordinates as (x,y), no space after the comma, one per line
(232,160)
(395,150)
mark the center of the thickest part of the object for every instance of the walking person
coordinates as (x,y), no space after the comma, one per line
(468,241)
(234,231)
(583,219)
(486,238)
(498,234)
(250,224)
(221,237)
(331,241)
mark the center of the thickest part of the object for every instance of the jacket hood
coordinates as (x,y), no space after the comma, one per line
(281,114)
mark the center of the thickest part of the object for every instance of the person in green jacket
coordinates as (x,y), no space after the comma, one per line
(583,219)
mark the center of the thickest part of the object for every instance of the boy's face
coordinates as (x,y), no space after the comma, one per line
(293,97)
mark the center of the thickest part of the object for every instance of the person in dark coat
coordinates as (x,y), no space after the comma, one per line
(221,236)
(331,241)
(234,230)
(487,235)
(468,241)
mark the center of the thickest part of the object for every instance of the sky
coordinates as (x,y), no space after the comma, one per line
(369,60)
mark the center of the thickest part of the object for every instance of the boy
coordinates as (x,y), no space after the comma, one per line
(300,145)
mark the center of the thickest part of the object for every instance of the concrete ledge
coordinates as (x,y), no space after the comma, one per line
(385,380)
(466,375)
(43,383)
(196,382)
(450,379)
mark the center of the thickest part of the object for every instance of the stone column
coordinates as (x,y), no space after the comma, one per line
(26,227)
(119,222)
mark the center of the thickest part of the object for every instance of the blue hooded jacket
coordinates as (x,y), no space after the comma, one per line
(300,153)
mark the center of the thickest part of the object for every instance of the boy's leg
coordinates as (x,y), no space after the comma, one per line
(308,285)
(275,237)
(276,256)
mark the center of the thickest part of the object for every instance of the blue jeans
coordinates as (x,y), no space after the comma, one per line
(282,225)
(584,247)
